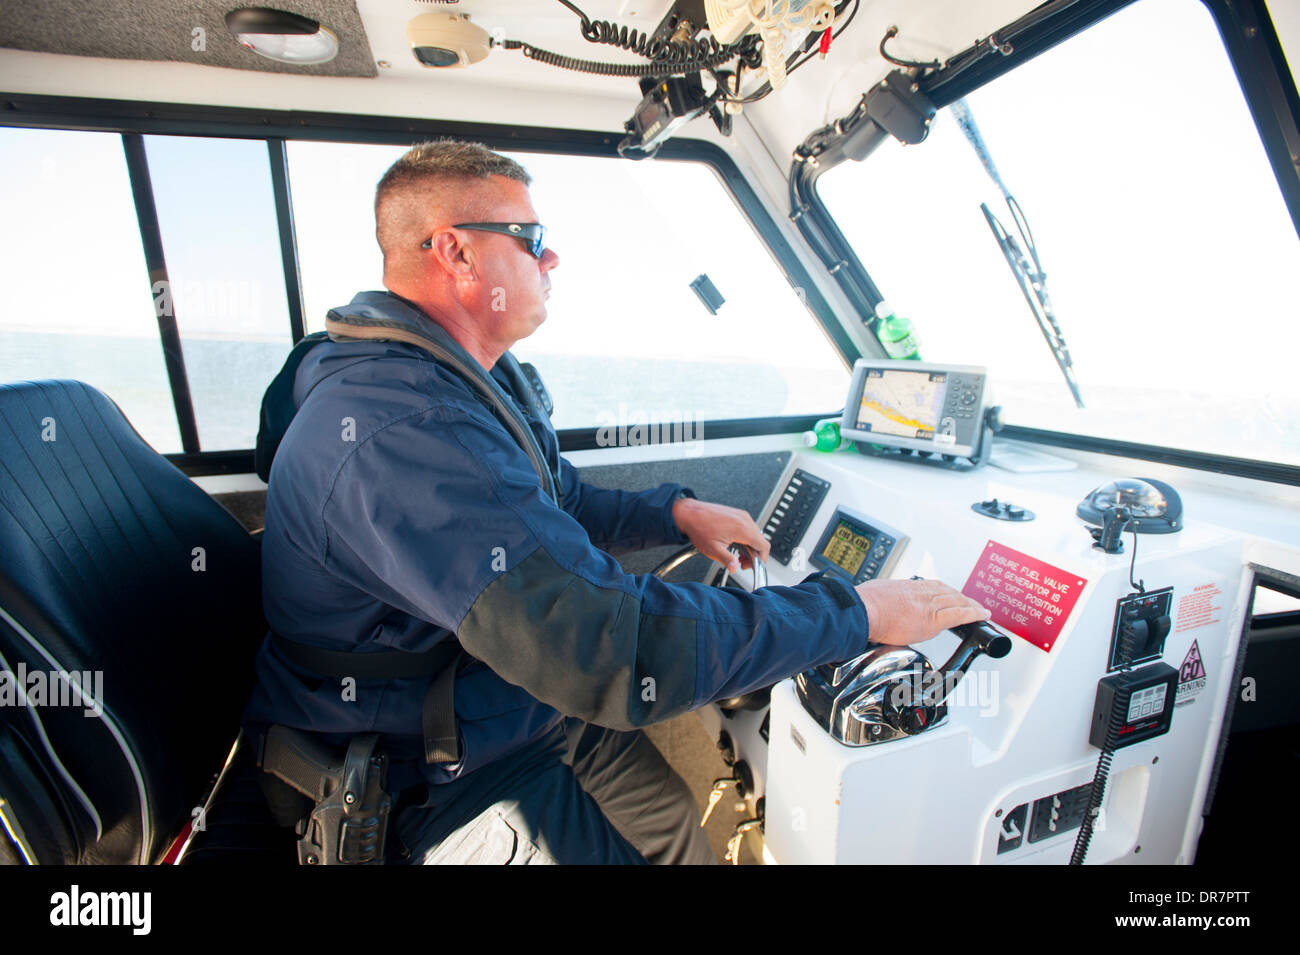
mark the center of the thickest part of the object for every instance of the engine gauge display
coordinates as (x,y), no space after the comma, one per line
(856,547)
(848,547)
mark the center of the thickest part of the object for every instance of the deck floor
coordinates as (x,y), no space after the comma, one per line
(689,750)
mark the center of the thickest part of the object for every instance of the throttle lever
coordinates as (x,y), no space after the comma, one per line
(983,637)
(884,693)
(977,638)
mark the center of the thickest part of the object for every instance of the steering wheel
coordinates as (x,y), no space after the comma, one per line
(690,550)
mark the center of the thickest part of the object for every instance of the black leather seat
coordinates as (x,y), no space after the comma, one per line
(112,562)
(238,828)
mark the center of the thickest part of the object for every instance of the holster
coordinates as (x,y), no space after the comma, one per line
(348,806)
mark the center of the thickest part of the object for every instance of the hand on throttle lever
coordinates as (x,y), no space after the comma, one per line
(902,612)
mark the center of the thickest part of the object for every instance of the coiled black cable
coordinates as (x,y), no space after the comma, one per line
(644,44)
(668,57)
(1098,792)
(652,48)
(655,68)
(1099,778)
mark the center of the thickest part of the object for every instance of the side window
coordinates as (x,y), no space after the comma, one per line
(626,339)
(1169,255)
(333,191)
(216,213)
(80,303)
(77,298)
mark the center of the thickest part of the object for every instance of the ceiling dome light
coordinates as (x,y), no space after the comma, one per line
(283,37)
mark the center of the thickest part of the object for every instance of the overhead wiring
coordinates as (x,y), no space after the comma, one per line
(799,57)
(648,45)
(666,57)
(655,68)
(906,64)
(672,57)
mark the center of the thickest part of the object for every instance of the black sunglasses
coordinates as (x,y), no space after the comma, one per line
(533,233)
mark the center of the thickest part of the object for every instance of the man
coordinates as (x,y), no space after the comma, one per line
(410,511)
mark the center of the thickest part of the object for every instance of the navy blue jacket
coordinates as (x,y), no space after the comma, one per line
(401,513)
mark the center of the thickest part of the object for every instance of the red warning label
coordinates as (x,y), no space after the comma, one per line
(1200,608)
(1027,597)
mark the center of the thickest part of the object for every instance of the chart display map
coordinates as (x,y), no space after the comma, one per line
(907,404)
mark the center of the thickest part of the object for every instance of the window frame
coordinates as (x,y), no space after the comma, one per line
(1259,64)
(133,119)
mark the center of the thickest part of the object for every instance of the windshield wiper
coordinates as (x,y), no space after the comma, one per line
(1033,283)
(1027,269)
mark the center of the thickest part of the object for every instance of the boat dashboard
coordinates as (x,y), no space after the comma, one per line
(1002,769)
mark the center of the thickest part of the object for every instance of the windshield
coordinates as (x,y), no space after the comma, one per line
(1158,222)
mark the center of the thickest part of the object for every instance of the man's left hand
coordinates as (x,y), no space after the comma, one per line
(712,528)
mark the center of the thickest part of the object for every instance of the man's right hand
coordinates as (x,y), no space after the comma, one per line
(901,612)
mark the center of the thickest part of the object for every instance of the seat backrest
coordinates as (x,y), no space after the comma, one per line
(121,576)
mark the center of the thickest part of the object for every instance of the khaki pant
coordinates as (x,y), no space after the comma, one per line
(581,795)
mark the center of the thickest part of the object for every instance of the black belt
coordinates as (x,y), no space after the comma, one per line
(437,664)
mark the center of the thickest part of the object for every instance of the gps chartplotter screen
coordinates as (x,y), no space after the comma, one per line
(908,404)
(915,405)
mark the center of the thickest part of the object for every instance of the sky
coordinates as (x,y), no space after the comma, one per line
(1162,230)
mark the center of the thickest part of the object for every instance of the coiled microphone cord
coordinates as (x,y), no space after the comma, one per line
(667,57)
(656,68)
(1098,792)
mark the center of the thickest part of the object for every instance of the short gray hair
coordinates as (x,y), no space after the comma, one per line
(447,160)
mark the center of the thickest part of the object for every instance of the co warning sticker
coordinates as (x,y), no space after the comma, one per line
(1027,597)
(1191,676)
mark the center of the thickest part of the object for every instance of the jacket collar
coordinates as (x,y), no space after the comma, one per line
(382,316)
(388,317)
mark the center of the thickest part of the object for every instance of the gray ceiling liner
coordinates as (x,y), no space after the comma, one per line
(163,30)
